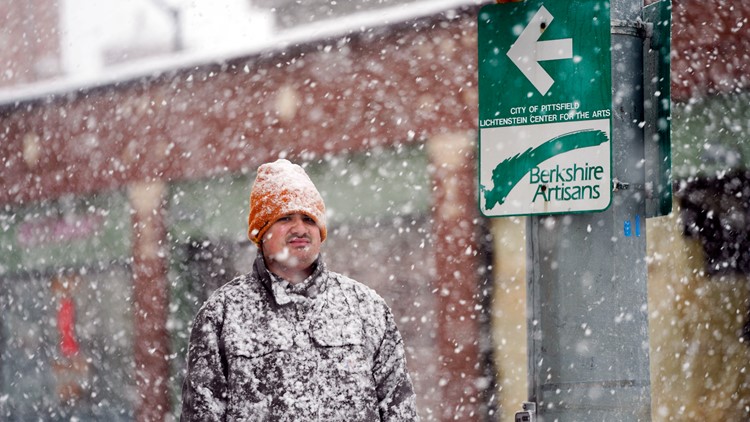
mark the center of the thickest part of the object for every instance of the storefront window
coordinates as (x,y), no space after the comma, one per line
(66,333)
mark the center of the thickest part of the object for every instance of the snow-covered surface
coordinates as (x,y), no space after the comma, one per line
(151,67)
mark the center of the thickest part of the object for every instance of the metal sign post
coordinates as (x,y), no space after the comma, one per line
(587,272)
(587,284)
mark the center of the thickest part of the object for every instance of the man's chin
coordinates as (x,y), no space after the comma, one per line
(295,258)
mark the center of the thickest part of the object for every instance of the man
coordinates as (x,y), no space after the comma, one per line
(293,341)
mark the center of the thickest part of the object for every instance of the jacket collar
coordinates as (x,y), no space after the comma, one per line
(277,287)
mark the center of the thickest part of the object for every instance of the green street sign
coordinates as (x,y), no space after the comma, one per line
(658,108)
(545,107)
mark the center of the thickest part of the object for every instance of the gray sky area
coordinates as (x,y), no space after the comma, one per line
(91,28)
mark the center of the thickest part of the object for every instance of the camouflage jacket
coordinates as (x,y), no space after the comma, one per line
(325,350)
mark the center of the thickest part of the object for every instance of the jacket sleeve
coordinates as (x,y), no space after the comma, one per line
(204,388)
(396,400)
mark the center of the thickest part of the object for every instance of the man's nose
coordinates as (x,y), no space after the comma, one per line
(298,226)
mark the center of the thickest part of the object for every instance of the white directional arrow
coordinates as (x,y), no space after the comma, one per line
(527,51)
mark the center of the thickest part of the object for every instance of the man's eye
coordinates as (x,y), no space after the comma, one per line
(287,218)
(308,220)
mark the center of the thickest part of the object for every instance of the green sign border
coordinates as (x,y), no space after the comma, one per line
(587,78)
(658,108)
(584,80)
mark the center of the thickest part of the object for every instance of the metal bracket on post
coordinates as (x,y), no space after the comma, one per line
(528,414)
(618,185)
(635,28)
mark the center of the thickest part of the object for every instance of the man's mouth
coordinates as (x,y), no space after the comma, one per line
(299,241)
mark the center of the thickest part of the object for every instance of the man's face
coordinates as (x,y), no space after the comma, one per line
(292,242)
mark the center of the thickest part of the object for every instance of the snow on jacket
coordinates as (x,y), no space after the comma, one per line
(328,349)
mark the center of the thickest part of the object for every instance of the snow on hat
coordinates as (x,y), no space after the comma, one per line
(282,188)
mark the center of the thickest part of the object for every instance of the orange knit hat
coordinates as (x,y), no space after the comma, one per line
(282,188)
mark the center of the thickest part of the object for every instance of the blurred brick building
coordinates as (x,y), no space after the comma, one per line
(31,41)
